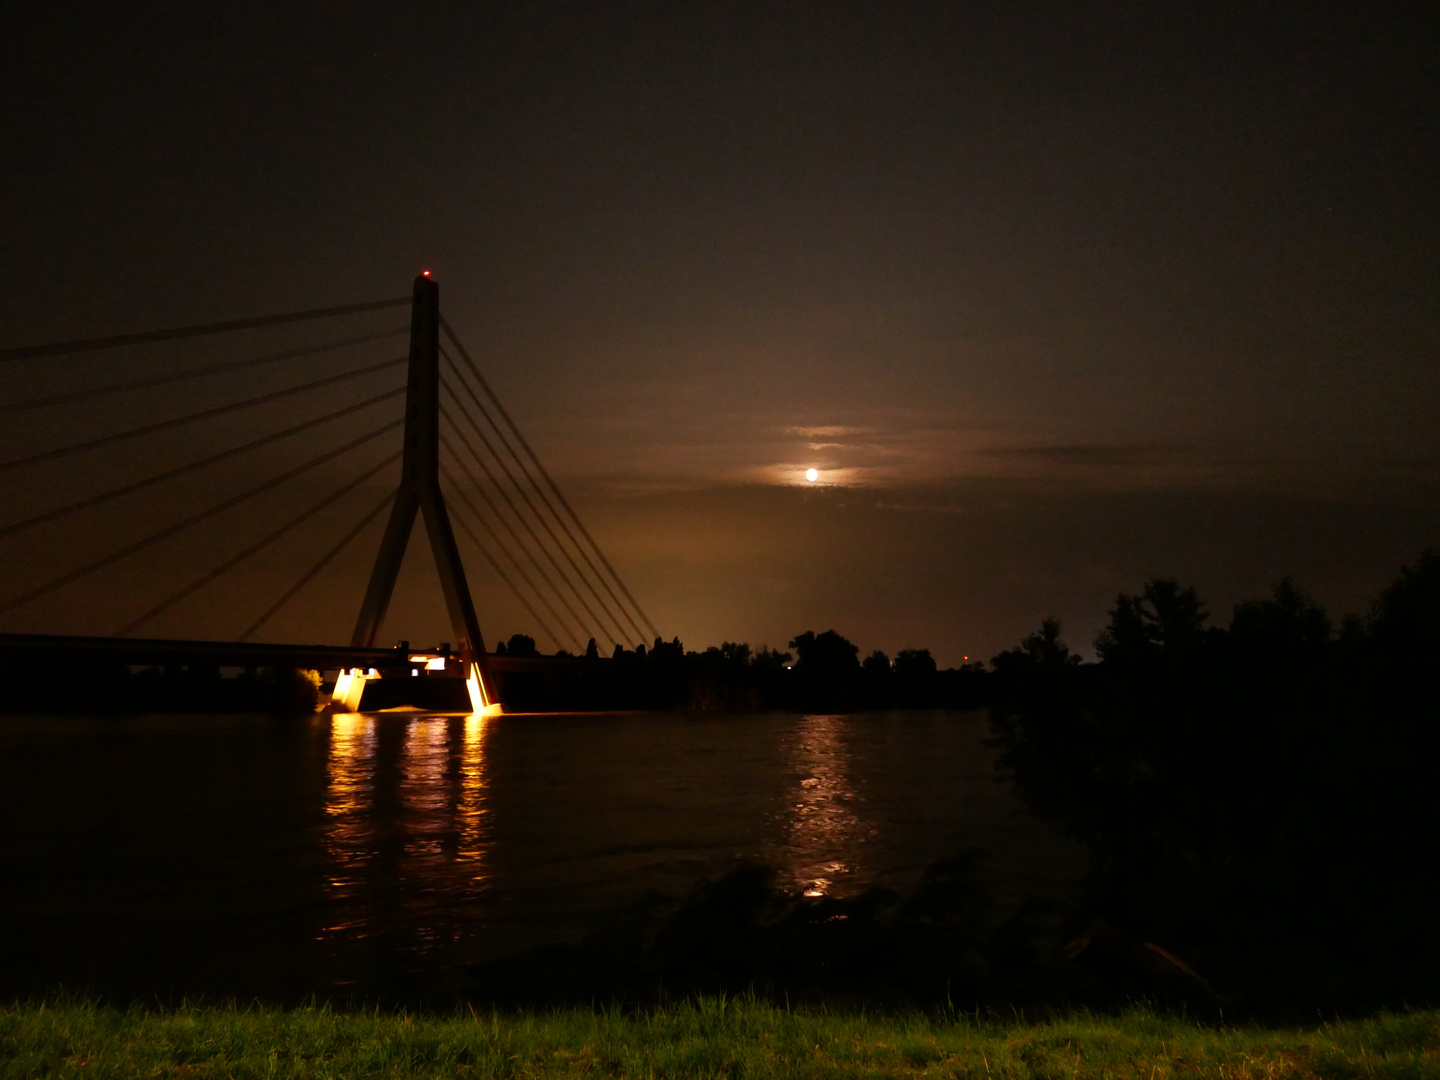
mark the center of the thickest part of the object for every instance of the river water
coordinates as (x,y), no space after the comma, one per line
(370,856)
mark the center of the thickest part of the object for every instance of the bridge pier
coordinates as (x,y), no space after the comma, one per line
(349,689)
(439,674)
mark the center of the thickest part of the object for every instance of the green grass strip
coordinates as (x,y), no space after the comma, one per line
(714,1038)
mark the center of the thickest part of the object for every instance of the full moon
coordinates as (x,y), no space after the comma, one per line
(812,475)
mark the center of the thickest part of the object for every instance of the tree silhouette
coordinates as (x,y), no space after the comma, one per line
(1254,798)
(521,645)
(915,678)
(877,680)
(827,671)
(1162,618)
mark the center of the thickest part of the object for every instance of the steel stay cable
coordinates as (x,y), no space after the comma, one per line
(499,571)
(194,373)
(539,594)
(549,480)
(31,352)
(544,627)
(204,414)
(495,510)
(259,545)
(323,562)
(524,521)
(192,466)
(498,516)
(460,377)
(529,553)
(620,630)
(194,519)
(469,508)
(540,465)
(521,518)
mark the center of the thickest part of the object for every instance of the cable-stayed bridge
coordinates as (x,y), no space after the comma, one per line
(454,457)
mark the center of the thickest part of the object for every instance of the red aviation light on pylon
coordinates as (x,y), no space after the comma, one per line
(424,273)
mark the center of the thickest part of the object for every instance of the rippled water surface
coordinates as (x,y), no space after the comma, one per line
(375,854)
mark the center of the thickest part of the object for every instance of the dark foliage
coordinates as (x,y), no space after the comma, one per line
(65,685)
(944,944)
(826,676)
(741,933)
(827,673)
(518,645)
(1257,800)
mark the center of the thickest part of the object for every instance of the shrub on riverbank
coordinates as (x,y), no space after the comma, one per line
(710,1037)
(943,944)
(1258,800)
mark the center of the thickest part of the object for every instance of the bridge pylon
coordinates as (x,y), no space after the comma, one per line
(420,492)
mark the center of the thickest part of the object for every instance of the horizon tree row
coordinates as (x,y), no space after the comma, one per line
(824,673)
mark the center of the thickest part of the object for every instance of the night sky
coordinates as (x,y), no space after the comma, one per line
(1055,297)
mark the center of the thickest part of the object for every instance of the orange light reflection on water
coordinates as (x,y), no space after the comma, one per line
(406,804)
(349,824)
(471,811)
(426,820)
(824,827)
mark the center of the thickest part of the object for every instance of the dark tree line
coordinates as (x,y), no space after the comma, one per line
(1259,800)
(91,685)
(823,674)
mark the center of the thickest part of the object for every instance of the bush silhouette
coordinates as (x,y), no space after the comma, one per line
(1255,799)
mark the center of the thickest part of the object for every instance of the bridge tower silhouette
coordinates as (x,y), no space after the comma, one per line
(420,493)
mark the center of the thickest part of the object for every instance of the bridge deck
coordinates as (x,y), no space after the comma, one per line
(158,651)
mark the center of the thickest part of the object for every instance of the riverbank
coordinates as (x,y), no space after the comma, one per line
(710,1038)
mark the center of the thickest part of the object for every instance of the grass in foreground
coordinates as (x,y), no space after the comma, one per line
(708,1039)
